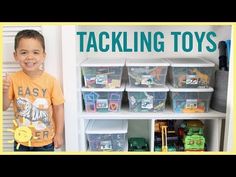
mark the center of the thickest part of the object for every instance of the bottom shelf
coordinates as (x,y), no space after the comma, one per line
(146,129)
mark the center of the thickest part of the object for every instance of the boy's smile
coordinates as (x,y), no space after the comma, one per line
(30,55)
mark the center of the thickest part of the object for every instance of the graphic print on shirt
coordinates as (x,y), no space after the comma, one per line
(35,113)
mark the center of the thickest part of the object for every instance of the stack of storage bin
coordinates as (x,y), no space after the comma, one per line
(103,89)
(190,78)
(107,135)
(147,91)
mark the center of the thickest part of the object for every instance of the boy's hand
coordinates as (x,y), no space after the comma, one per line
(6,83)
(58,140)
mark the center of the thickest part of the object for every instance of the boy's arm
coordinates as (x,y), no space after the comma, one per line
(6,101)
(58,115)
(6,86)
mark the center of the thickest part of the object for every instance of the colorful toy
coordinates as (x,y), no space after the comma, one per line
(202,78)
(147,101)
(138,144)
(114,102)
(190,102)
(195,127)
(166,139)
(194,143)
(102,101)
(102,77)
(158,125)
(194,139)
(147,76)
(192,77)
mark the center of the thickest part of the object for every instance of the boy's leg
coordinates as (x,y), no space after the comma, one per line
(21,147)
(49,147)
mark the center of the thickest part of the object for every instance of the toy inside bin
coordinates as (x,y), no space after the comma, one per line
(190,72)
(147,72)
(147,100)
(190,100)
(102,73)
(107,135)
(102,100)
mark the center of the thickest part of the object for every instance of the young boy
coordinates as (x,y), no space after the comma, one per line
(37,97)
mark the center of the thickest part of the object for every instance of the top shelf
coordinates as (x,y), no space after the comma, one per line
(167,114)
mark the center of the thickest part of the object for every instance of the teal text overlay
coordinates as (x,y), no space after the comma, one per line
(146,41)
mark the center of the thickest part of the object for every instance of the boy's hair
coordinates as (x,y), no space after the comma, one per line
(29,34)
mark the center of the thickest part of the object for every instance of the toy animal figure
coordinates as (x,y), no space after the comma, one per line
(137,79)
(156,72)
(160,106)
(203,77)
(181,80)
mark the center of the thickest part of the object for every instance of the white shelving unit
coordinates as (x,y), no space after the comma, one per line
(140,124)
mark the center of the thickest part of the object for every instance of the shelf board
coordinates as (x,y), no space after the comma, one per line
(167,114)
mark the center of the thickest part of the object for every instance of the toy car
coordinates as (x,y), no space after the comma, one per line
(138,144)
(193,137)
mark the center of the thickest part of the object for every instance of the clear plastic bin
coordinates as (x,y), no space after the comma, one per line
(190,72)
(147,100)
(190,100)
(102,73)
(147,72)
(102,100)
(107,135)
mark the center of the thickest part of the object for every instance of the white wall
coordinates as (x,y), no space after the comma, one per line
(53,62)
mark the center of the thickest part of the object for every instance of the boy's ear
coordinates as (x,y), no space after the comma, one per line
(14,54)
(44,56)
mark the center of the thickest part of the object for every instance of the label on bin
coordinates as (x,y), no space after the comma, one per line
(106,145)
(147,103)
(191,103)
(191,80)
(113,106)
(147,80)
(101,79)
(102,103)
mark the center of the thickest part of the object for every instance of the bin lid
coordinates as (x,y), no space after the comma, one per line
(172,89)
(190,62)
(147,62)
(103,62)
(107,127)
(121,89)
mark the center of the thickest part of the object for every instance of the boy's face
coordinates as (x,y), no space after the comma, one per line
(30,55)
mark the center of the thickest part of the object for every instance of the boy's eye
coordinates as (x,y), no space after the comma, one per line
(22,53)
(36,53)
